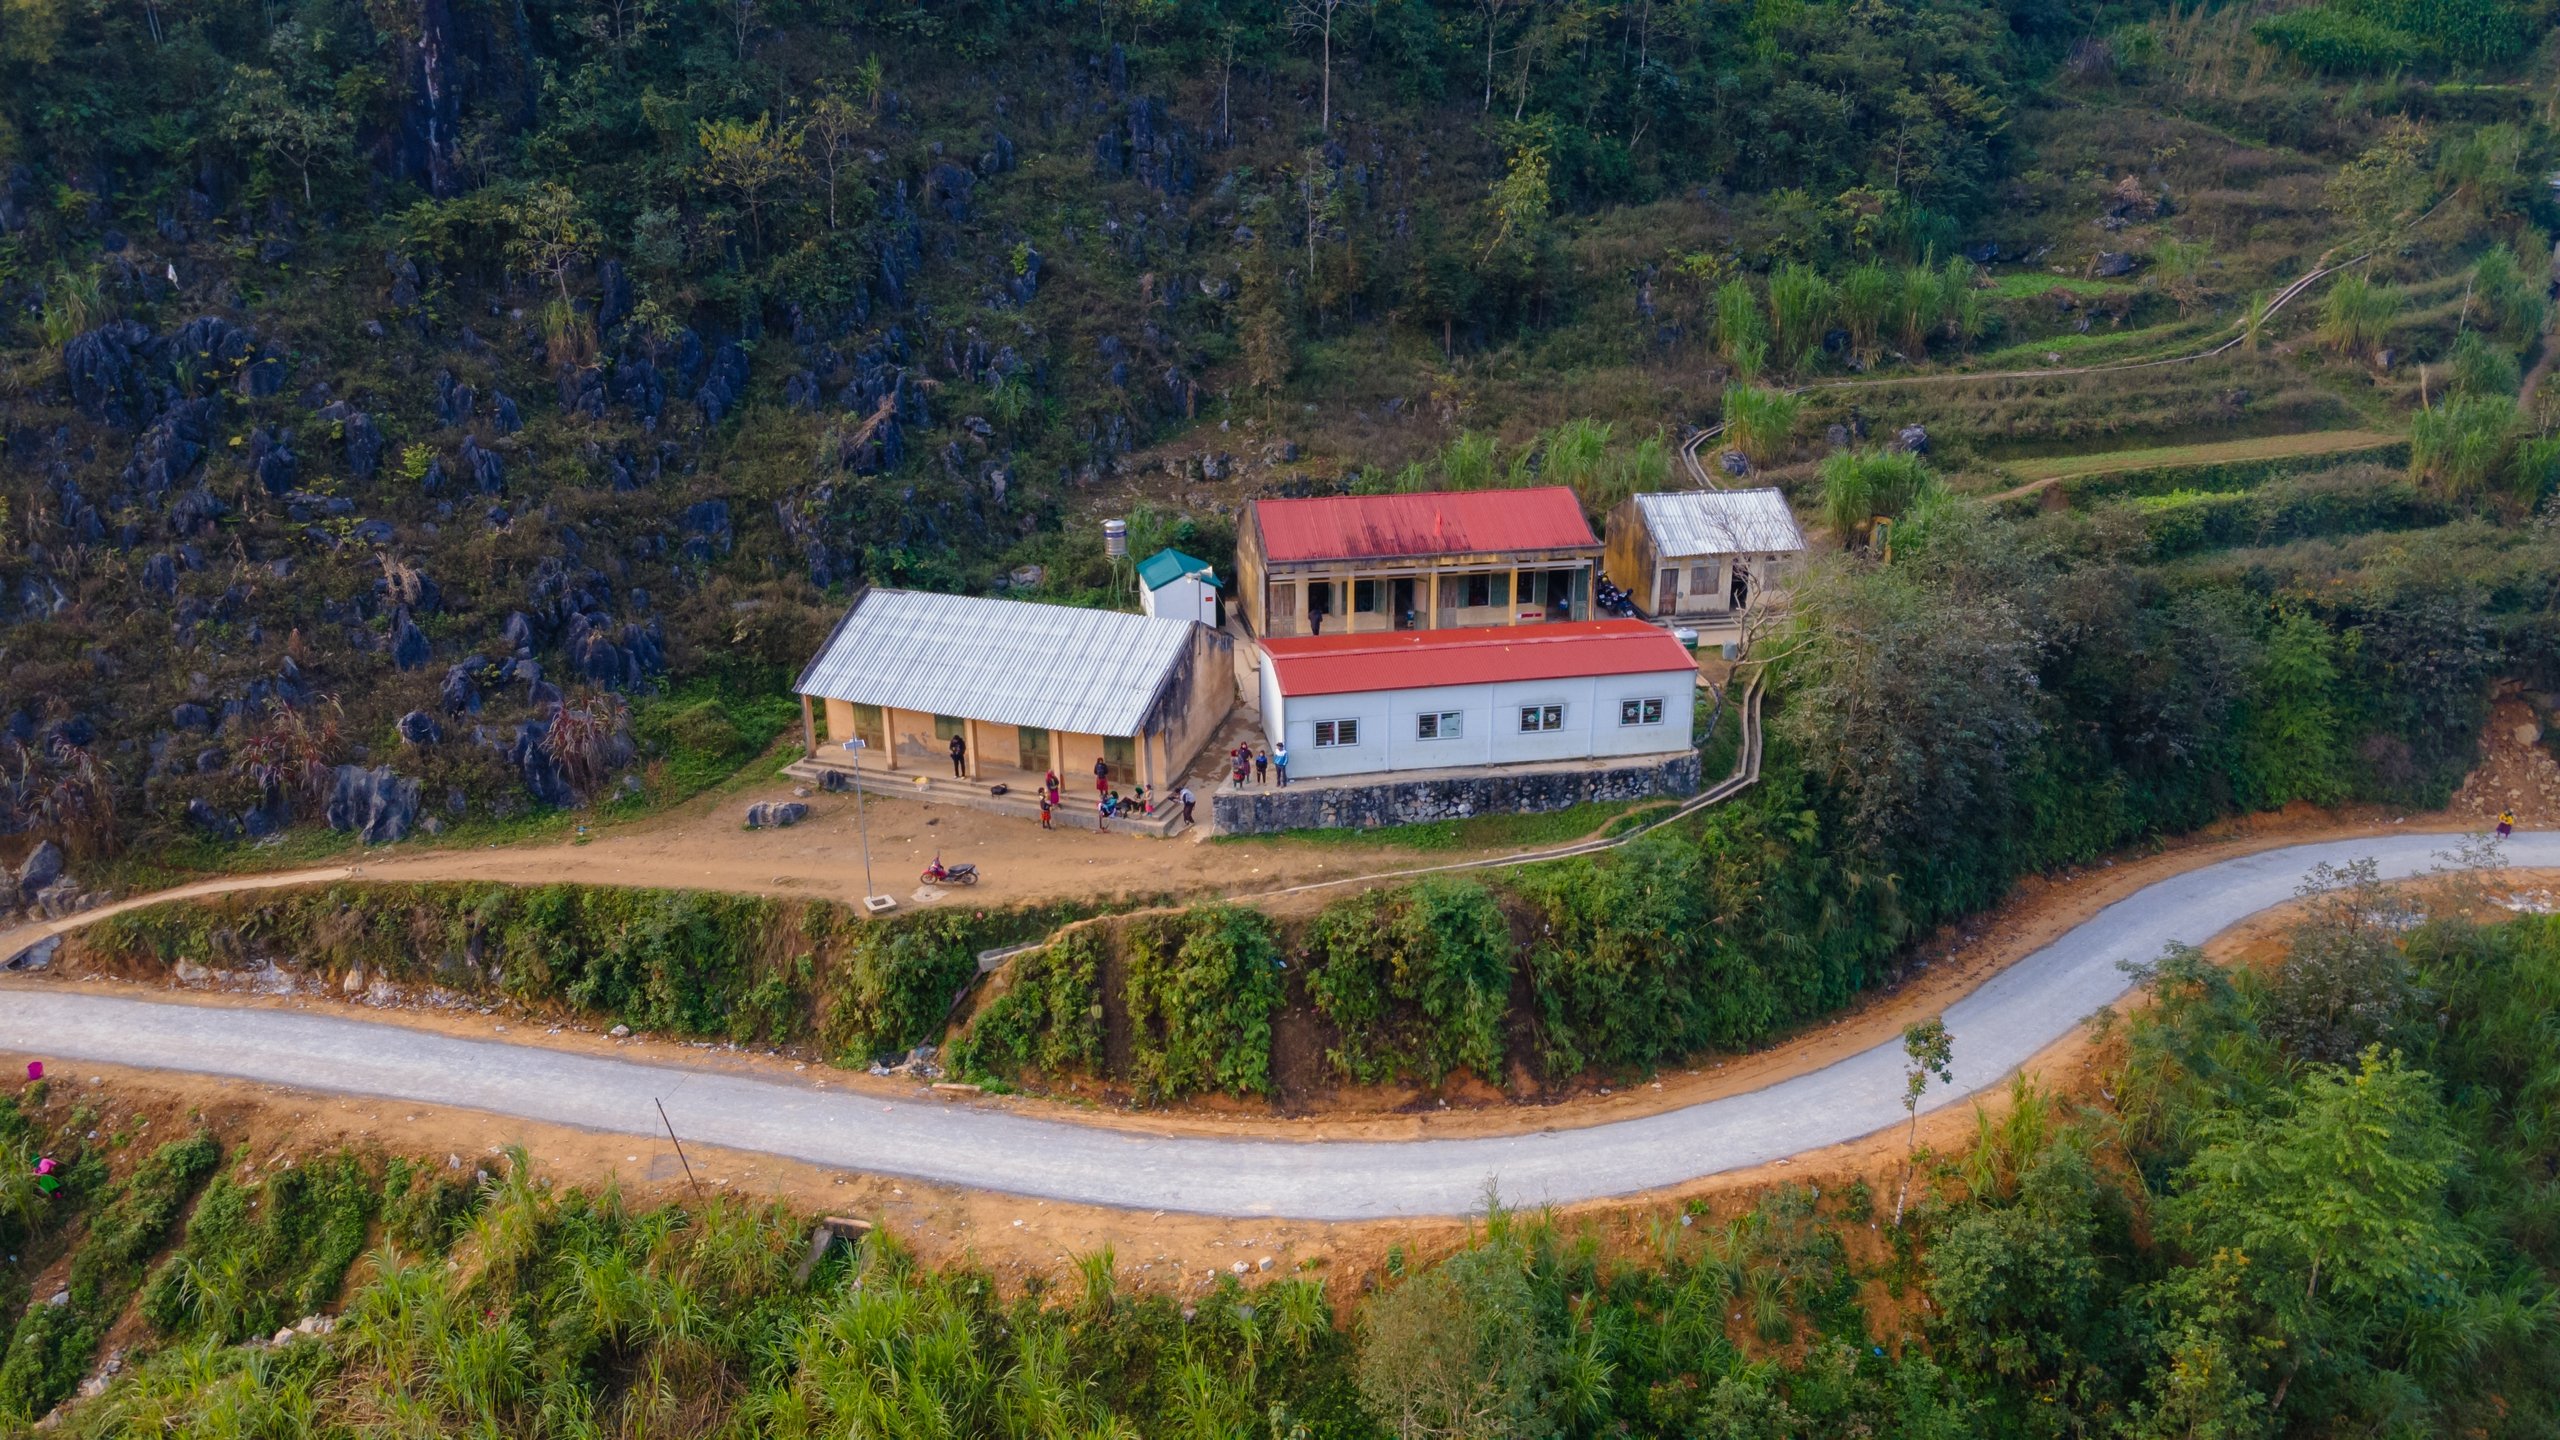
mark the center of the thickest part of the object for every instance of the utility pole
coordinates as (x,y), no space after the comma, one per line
(861,824)
(672,1140)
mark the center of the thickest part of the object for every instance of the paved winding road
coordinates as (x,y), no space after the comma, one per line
(1998,1027)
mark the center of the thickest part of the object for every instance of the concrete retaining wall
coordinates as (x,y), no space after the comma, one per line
(1424,797)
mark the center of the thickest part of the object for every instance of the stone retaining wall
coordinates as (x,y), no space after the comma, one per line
(1414,798)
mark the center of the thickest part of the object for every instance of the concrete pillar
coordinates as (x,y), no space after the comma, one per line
(1516,600)
(808,729)
(969,733)
(1431,612)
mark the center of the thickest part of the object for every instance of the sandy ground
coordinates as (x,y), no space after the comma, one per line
(702,845)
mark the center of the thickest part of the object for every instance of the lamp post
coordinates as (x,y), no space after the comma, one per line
(861,824)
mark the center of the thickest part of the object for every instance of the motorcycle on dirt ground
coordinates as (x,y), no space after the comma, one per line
(941,874)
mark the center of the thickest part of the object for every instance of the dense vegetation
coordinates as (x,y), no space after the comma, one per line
(683,962)
(2317,1203)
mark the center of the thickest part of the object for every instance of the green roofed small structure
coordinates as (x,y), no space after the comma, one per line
(1176,586)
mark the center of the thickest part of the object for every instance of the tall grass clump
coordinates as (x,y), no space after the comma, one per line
(2462,446)
(2503,295)
(1800,303)
(1860,487)
(2356,314)
(1866,299)
(1742,331)
(1760,423)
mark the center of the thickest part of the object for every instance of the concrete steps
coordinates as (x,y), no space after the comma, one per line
(1021,800)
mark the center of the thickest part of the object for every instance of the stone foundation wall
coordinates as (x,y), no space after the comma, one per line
(1414,798)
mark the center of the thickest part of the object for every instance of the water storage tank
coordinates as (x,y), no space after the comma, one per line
(1115,539)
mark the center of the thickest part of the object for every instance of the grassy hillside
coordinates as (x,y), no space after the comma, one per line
(435,416)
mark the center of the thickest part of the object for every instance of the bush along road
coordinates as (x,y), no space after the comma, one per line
(1997,1028)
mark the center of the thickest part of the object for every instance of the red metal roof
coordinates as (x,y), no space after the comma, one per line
(1416,659)
(1439,522)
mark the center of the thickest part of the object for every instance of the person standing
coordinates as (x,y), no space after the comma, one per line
(1188,800)
(2506,823)
(959,757)
(1101,777)
(1261,767)
(1046,804)
(1280,762)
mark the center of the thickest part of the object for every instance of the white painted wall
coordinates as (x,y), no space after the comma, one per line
(1185,599)
(1489,727)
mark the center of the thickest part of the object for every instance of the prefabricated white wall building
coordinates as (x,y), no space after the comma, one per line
(1421,700)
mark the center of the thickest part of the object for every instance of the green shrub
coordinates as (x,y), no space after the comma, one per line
(1201,991)
(1049,1018)
(895,987)
(686,962)
(423,1209)
(1416,981)
(52,1347)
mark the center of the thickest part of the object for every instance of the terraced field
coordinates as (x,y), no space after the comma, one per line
(2039,472)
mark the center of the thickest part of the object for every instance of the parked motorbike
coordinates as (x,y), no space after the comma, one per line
(941,874)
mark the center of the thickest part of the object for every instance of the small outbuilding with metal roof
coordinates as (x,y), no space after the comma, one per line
(1026,688)
(1181,587)
(1435,699)
(1702,556)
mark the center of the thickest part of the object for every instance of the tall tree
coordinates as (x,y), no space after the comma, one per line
(833,133)
(549,234)
(1928,1051)
(262,111)
(749,160)
(1316,17)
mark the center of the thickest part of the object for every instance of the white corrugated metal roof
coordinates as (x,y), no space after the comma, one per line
(1058,667)
(1720,522)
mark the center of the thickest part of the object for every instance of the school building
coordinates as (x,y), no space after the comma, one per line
(1028,688)
(1369,704)
(1360,564)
